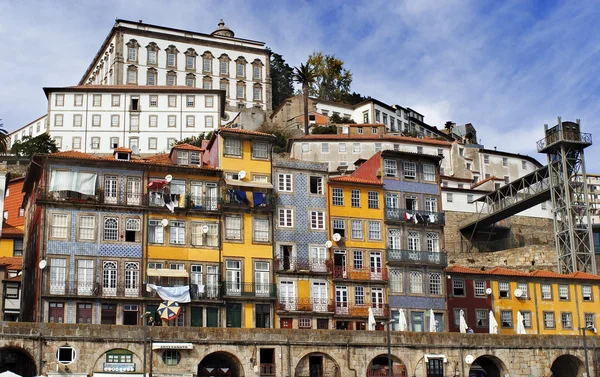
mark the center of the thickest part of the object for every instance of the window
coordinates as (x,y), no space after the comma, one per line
(481,317)
(549,320)
(233,228)
(190,101)
(261,230)
(152,143)
(286,218)
(566,320)
(390,168)
(523,288)
(241,70)
(430,204)
(209,101)
(506,179)
(504,288)
(190,121)
(224,67)
(59,226)
(357,231)
(505,318)
(87,227)
(171,141)
(284,182)
(172,100)
(504,161)
(586,293)
(470,198)
(18,247)
(433,242)
(337,196)
(526,319)
(305,148)
(316,185)
(449,197)
(233,147)
(151,77)
(355,147)
(115,100)
(396,282)
(429,172)
(96,120)
(60,100)
(355,198)
(563,292)
(377,147)
(153,121)
(114,120)
(95,143)
(317,220)
(256,93)
(97,100)
(374,230)
(58,141)
(241,90)
(414,240)
(524,165)
(357,259)
(208,121)
(410,170)
(177,232)
(435,283)
(324,147)
(171,357)
(590,319)
(339,226)
(546,292)
(373,199)
(458,287)
(131,75)
(171,78)
(78,100)
(342,147)
(111,229)
(260,150)
(479,288)
(457,316)
(58,120)
(416,282)
(65,355)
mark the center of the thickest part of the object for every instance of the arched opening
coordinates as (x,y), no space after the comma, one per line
(487,366)
(220,364)
(567,366)
(317,364)
(18,361)
(117,360)
(379,367)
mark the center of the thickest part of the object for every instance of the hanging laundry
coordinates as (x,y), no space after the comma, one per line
(258,198)
(408,216)
(432,218)
(241,196)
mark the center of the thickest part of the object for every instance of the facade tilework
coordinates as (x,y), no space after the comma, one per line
(417,302)
(322,167)
(412,187)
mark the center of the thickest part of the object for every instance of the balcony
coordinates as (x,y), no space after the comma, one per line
(249,290)
(128,199)
(346,309)
(417,257)
(417,217)
(241,200)
(267,369)
(210,292)
(361,274)
(91,289)
(183,201)
(100,197)
(304,305)
(302,265)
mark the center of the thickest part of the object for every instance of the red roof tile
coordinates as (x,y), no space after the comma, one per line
(188,147)
(351,179)
(122,150)
(385,137)
(492,178)
(365,173)
(9,230)
(14,278)
(501,271)
(242,131)
(11,262)
(14,201)
(465,270)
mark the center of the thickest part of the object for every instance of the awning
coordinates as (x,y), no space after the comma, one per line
(157,184)
(233,182)
(172,346)
(165,272)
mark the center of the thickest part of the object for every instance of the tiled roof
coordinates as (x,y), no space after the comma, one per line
(465,270)
(188,147)
(380,137)
(13,263)
(584,275)
(501,271)
(242,131)
(122,150)
(9,230)
(361,124)
(14,201)
(14,278)
(351,179)
(492,178)
(365,174)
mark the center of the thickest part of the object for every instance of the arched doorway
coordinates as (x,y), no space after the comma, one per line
(378,367)
(317,364)
(487,366)
(18,361)
(220,364)
(567,366)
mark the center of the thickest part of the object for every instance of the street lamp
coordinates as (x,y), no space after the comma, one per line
(145,319)
(583,330)
(389,347)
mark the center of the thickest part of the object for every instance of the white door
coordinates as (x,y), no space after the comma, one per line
(287,296)
(85,277)
(233,278)
(196,200)
(132,279)
(377,301)
(341,300)
(212,196)
(58,270)
(261,279)
(375,264)
(111,193)
(212,281)
(391,201)
(134,191)
(196,279)
(318,259)
(319,296)
(109,279)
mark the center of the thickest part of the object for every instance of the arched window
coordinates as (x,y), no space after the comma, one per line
(111,229)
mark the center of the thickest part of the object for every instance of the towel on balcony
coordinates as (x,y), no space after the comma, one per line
(432,218)
(241,196)
(177,294)
(258,198)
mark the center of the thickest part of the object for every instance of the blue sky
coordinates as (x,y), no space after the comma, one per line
(507,67)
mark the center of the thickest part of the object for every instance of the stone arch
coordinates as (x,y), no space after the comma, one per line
(17,360)
(378,367)
(220,363)
(317,364)
(487,366)
(100,357)
(567,366)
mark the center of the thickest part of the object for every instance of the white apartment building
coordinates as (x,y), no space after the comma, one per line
(136,53)
(31,129)
(147,119)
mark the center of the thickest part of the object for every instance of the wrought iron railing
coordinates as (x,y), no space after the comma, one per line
(556,135)
(233,198)
(361,310)
(267,369)
(417,257)
(283,264)
(351,273)
(417,217)
(238,289)
(77,288)
(304,304)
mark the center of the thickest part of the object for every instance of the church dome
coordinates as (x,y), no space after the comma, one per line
(223,30)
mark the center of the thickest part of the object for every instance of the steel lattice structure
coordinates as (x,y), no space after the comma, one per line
(564,145)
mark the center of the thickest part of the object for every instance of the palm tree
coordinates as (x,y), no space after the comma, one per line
(305,75)
(3,139)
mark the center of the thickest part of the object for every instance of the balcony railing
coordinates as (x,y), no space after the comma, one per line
(201,203)
(232,198)
(351,273)
(302,265)
(101,197)
(361,310)
(267,369)
(417,217)
(304,305)
(209,292)
(75,288)
(128,198)
(235,289)
(417,257)
(184,201)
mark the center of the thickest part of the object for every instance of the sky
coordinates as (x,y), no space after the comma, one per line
(507,67)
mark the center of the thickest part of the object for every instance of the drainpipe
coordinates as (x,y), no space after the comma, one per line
(348,359)
(40,353)
(289,352)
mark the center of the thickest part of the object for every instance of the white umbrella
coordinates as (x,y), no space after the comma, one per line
(520,325)
(463,322)
(432,326)
(9,374)
(402,325)
(493,324)
(371,321)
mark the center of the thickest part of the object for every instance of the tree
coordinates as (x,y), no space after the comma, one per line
(322,130)
(196,140)
(29,146)
(3,138)
(332,81)
(281,136)
(282,80)
(335,118)
(305,76)
(354,98)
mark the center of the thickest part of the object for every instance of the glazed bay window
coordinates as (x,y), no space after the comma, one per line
(233,147)
(286,218)
(429,172)
(233,228)
(337,196)
(284,182)
(390,168)
(177,232)
(410,170)
(59,228)
(260,150)
(87,228)
(416,282)
(261,230)
(317,220)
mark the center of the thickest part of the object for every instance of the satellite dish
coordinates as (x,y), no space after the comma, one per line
(242,174)
(469,359)
(43,264)
(169,178)
(518,293)
(135,149)
(488,291)
(328,244)
(337,237)
(204,229)
(164,222)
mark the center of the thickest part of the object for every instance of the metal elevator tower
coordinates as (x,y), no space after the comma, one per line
(564,145)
